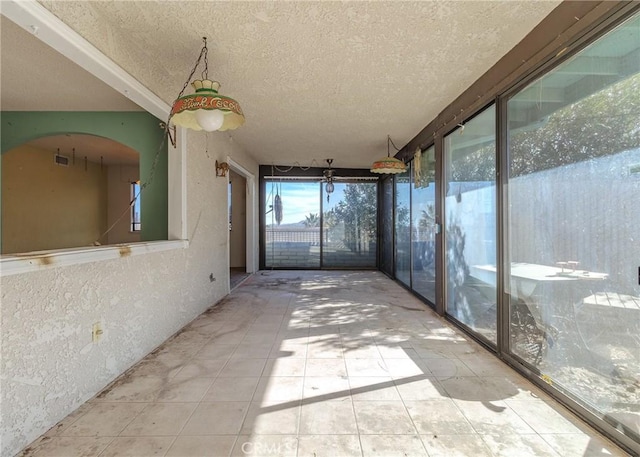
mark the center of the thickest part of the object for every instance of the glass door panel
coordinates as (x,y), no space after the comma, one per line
(470,224)
(292,227)
(386,237)
(403,227)
(423,213)
(350,221)
(573,218)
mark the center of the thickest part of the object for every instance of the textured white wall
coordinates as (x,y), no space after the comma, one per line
(50,366)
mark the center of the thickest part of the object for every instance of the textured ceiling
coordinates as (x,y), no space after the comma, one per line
(315,79)
(37,78)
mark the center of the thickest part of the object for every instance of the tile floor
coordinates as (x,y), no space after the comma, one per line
(320,364)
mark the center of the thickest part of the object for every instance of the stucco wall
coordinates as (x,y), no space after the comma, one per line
(49,364)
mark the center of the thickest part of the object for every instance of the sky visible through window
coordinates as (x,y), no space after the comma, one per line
(299,199)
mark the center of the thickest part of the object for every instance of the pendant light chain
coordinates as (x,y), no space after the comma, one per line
(204,52)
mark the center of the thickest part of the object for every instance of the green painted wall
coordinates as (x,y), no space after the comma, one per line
(138,130)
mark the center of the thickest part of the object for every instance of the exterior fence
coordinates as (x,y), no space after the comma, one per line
(285,235)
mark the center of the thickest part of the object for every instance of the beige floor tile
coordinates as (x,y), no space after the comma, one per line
(201,368)
(542,418)
(286,350)
(216,418)
(379,388)
(262,338)
(186,344)
(328,418)
(228,337)
(485,365)
(383,418)
(104,419)
(272,419)
(232,389)
(326,388)
(253,351)
(329,446)
(325,367)
(132,389)
(205,325)
(266,446)
(243,368)
(279,388)
(428,353)
(448,368)
(392,446)
(474,389)
(160,419)
(202,446)
(165,367)
(184,390)
(137,446)
(456,446)
(369,351)
(62,425)
(366,367)
(396,352)
(403,368)
(216,350)
(493,417)
(285,367)
(514,387)
(435,417)
(325,350)
(65,446)
(583,445)
(508,445)
(420,389)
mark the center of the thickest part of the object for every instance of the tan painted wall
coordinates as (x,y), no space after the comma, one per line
(120,178)
(238,233)
(46,206)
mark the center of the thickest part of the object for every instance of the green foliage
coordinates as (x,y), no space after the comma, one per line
(603,123)
(312,220)
(358,211)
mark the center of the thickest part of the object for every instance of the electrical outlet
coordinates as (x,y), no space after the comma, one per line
(96,333)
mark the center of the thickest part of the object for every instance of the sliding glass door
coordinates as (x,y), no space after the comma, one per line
(292,224)
(350,225)
(306,227)
(403,227)
(386,225)
(574,225)
(470,224)
(423,217)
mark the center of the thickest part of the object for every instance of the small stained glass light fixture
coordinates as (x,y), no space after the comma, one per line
(388,165)
(206,109)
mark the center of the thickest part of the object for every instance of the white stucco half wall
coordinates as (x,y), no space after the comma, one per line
(49,364)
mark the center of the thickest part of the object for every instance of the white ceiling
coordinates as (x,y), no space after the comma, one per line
(315,79)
